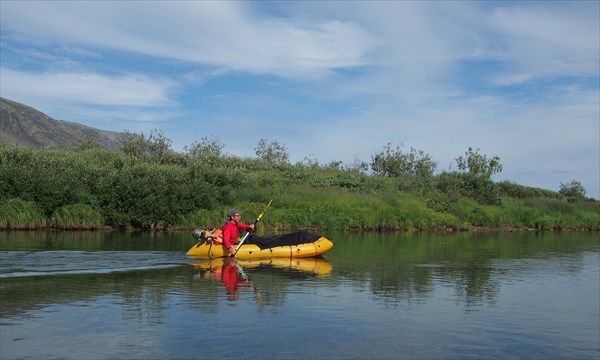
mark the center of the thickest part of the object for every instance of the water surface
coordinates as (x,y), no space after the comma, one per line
(78,295)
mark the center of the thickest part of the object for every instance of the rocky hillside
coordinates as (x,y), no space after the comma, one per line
(27,127)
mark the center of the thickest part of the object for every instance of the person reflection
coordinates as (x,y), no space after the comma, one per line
(234,279)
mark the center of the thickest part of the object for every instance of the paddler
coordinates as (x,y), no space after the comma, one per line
(231,230)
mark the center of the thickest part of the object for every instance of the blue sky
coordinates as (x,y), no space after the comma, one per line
(331,80)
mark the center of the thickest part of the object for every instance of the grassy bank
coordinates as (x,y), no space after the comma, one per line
(339,209)
(95,188)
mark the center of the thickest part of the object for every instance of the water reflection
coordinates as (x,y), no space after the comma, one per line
(230,272)
(294,267)
(94,241)
(408,268)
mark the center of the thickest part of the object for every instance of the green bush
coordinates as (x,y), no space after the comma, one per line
(510,189)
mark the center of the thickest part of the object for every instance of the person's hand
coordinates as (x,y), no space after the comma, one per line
(232,251)
(252,226)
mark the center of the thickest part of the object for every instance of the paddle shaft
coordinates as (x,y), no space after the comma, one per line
(248,233)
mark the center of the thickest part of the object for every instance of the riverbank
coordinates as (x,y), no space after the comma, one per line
(96,188)
(281,230)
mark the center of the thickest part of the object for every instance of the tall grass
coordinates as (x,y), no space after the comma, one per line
(76,216)
(20,214)
(548,214)
(303,206)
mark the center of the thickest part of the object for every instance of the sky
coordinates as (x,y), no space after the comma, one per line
(329,80)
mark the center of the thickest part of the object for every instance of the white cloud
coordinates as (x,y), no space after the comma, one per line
(217,33)
(86,88)
(542,40)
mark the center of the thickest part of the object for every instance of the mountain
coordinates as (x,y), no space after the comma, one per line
(27,127)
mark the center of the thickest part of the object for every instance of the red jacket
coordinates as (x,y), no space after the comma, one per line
(231,231)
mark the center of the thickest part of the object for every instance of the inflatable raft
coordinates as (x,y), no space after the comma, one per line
(300,244)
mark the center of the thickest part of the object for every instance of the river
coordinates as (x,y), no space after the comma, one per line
(121,295)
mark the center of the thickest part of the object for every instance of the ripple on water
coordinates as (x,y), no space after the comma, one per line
(49,263)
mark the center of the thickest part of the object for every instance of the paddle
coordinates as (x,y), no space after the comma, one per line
(255,222)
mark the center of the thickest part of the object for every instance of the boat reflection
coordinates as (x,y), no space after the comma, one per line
(233,273)
(316,266)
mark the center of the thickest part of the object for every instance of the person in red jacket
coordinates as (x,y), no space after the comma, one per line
(231,230)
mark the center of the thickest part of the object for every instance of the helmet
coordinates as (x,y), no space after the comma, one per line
(231,213)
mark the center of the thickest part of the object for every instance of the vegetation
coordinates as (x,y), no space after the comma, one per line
(149,186)
(573,191)
(20,214)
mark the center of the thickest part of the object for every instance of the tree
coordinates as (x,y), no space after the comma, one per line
(479,165)
(394,162)
(151,149)
(475,181)
(357,165)
(309,161)
(209,146)
(272,152)
(573,191)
